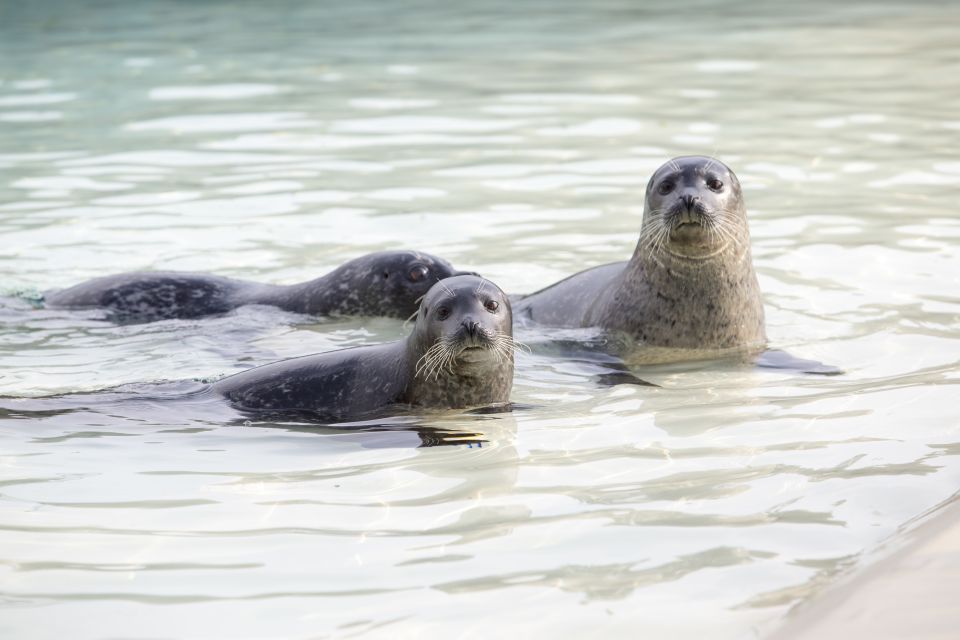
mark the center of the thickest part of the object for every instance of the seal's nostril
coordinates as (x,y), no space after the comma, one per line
(472,327)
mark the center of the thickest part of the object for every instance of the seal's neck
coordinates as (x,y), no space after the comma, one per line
(670,270)
(672,301)
(319,296)
(325,295)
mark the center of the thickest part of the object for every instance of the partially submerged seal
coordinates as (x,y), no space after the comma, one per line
(690,283)
(386,283)
(459,354)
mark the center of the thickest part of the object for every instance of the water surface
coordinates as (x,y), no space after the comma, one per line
(272,141)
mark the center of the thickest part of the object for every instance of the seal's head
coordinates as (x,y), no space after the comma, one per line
(465,328)
(390,283)
(693,209)
(410,274)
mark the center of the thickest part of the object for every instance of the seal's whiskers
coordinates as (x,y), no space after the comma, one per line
(436,359)
(439,358)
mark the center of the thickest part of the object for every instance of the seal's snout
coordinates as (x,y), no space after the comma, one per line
(465,273)
(471,328)
(689,210)
(472,334)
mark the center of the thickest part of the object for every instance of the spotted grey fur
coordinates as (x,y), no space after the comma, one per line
(386,283)
(459,354)
(690,283)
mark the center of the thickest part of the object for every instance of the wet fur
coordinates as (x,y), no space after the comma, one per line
(700,295)
(426,369)
(372,285)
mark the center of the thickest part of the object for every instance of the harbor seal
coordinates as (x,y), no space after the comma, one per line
(385,283)
(690,284)
(459,354)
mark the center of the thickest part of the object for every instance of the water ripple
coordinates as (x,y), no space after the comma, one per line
(514,139)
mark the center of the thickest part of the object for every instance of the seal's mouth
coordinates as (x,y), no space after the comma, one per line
(696,232)
(474,355)
(473,345)
(689,228)
(688,215)
(691,224)
(470,351)
(472,335)
(686,231)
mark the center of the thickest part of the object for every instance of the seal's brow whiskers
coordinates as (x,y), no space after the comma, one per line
(419,303)
(411,317)
(445,288)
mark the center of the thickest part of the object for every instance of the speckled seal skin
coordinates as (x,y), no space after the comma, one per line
(386,283)
(459,354)
(690,283)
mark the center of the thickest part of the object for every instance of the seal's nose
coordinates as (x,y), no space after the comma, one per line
(471,326)
(689,201)
(465,273)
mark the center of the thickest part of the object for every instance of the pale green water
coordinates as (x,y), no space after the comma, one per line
(275,140)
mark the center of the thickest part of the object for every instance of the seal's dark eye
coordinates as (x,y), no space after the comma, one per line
(443,313)
(665,187)
(491,306)
(714,184)
(418,273)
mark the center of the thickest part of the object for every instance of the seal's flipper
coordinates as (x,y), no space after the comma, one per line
(621,377)
(502,407)
(777,359)
(597,352)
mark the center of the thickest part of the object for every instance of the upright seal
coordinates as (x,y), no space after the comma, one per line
(690,283)
(386,283)
(459,354)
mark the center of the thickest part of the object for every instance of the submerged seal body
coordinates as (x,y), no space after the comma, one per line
(386,283)
(690,283)
(459,354)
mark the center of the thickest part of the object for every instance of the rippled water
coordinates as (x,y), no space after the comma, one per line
(272,141)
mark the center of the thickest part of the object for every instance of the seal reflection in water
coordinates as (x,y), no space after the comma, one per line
(459,354)
(690,284)
(386,283)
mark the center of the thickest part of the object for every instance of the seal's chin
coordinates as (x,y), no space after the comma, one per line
(689,231)
(695,249)
(691,236)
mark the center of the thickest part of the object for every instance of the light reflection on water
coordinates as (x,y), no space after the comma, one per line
(274,141)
